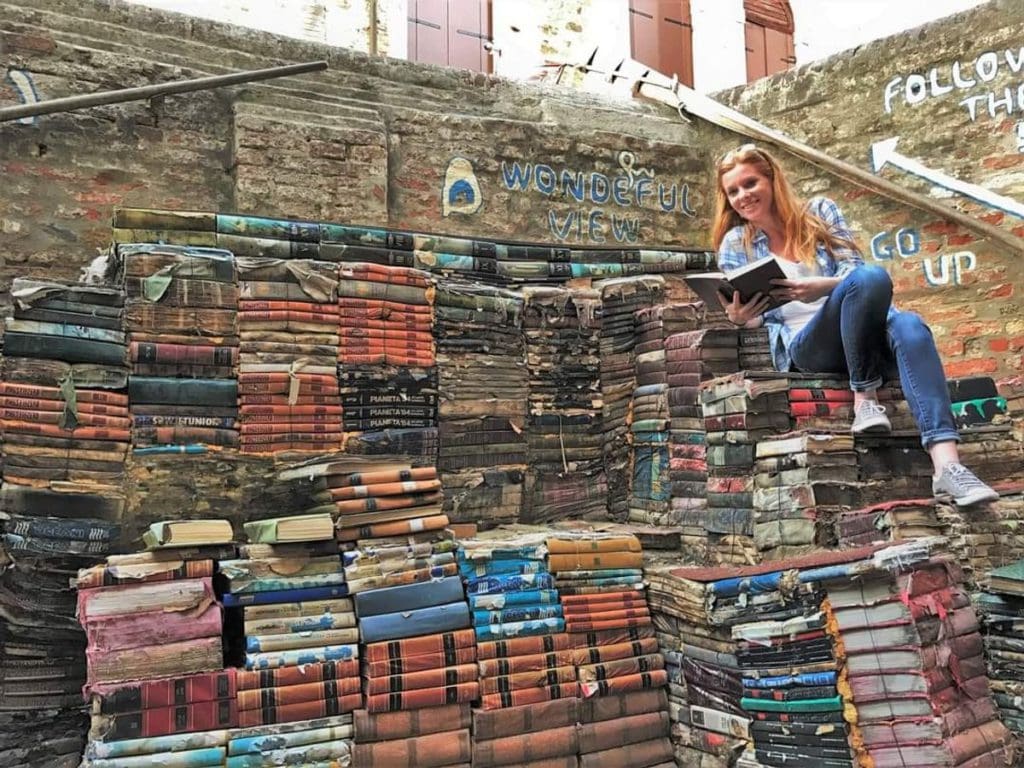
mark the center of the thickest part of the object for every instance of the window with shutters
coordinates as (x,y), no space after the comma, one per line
(451,33)
(769,37)
(662,36)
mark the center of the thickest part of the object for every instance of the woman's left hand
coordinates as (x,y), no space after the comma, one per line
(805,289)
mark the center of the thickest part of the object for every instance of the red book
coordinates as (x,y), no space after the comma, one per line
(529,696)
(14,389)
(294,436)
(55,417)
(162,692)
(80,433)
(429,678)
(448,748)
(522,680)
(306,673)
(280,696)
(387,726)
(107,576)
(633,665)
(654,679)
(535,662)
(307,710)
(420,662)
(39,404)
(611,636)
(381,304)
(163,721)
(523,646)
(287,426)
(284,376)
(188,354)
(355,333)
(820,395)
(459,693)
(249,305)
(425,644)
(320,318)
(598,654)
(284,387)
(290,410)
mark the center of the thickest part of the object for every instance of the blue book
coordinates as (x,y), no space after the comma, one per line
(407,597)
(517,613)
(519,629)
(285,596)
(497,567)
(507,599)
(421,621)
(511,583)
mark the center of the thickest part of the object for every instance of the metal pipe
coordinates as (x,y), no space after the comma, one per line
(86,100)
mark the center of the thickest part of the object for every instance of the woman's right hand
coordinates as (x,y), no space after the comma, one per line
(740,314)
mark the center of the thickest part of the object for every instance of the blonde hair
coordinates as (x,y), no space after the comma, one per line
(799,225)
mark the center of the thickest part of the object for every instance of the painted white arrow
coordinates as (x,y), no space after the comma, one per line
(884,152)
(26,89)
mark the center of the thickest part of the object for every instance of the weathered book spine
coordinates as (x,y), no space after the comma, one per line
(510,721)
(163,721)
(431,751)
(420,662)
(403,724)
(524,646)
(432,678)
(280,696)
(169,692)
(529,696)
(307,710)
(524,680)
(535,662)
(301,675)
(326,754)
(461,693)
(599,708)
(523,748)
(609,734)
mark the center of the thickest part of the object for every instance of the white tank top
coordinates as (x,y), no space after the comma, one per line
(796,314)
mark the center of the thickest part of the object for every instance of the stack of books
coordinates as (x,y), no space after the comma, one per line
(153,624)
(977,403)
(739,412)
(620,299)
(989,443)
(601,586)
(915,685)
(708,725)
(381,397)
(269,238)
(66,332)
(807,482)
(483,401)
(984,536)
(889,521)
(755,351)
(457,257)
(298,627)
(181,320)
(1001,610)
(827,404)
(203,749)
(564,434)
(288,324)
(1012,390)
(322,741)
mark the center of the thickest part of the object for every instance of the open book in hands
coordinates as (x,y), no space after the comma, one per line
(748,280)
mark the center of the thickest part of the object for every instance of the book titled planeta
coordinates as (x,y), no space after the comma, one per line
(748,281)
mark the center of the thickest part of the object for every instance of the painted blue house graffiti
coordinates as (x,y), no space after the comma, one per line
(944,269)
(633,188)
(461,190)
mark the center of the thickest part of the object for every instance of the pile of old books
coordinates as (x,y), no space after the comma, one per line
(564,433)
(1001,609)
(459,257)
(738,413)
(288,324)
(298,635)
(620,299)
(808,481)
(153,624)
(899,520)
(322,741)
(42,646)
(181,321)
(987,441)
(386,397)
(270,238)
(984,536)
(1012,390)
(418,655)
(483,401)
(600,580)
(914,684)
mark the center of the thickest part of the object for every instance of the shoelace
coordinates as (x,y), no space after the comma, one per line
(963,476)
(869,408)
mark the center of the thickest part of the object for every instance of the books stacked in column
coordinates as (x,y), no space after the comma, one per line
(984,536)
(182,326)
(528,689)
(738,412)
(288,324)
(42,646)
(65,331)
(977,403)
(322,741)
(789,671)
(600,580)
(890,521)
(915,684)
(270,238)
(798,500)
(348,244)
(566,476)
(460,257)
(620,299)
(652,409)
(708,725)
(688,468)
(202,749)
(987,442)
(386,397)
(298,624)
(754,350)
(144,225)
(1001,609)
(154,628)
(418,654)
(483,401)
(1012,390)
(892,466)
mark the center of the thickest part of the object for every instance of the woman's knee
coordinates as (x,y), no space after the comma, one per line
(908,328)
(872,279)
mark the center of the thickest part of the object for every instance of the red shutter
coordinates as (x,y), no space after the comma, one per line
(755,46)
(778,51)
(662,36)
(428,31)
(773,14)
(468,29)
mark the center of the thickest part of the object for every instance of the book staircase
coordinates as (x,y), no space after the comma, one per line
(330,495)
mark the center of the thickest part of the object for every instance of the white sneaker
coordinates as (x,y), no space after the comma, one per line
(870,417)
(958,483)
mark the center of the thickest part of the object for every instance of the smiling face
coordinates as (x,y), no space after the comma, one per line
(749,192)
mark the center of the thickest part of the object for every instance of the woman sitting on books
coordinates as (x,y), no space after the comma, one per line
(839,316)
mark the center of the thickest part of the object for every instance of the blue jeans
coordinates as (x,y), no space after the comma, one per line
(846,336)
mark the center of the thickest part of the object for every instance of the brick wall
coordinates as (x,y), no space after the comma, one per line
(932,88)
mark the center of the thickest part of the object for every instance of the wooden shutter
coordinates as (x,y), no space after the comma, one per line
(769,37)
(773,14)
(469,27)
(661,35)
(779,52)
(755,47)
(428,31)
